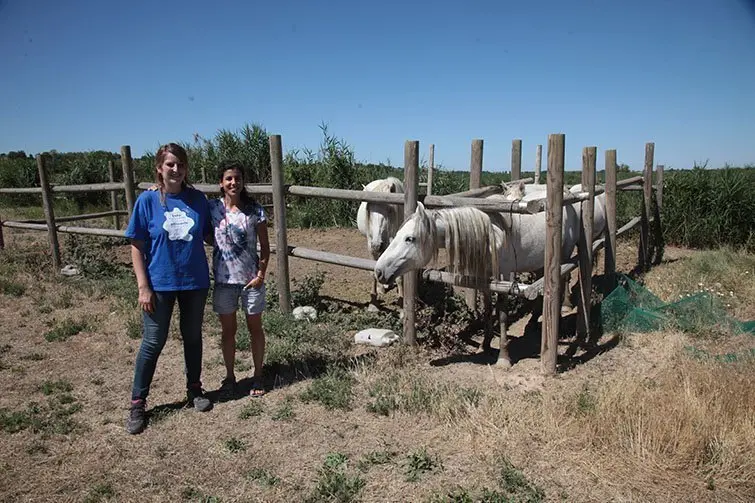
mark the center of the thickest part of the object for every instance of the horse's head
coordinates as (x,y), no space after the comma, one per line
(381,220)
(514,191)
(379,227)
(412,248)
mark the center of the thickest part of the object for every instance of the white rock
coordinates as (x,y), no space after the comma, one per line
(375,337)
(305,312)
(69,270)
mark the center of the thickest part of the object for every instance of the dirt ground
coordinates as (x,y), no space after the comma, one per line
(222,455)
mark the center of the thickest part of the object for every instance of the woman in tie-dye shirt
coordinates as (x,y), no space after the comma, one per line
(239,222)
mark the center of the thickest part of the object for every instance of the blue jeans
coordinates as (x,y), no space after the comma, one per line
(191,305)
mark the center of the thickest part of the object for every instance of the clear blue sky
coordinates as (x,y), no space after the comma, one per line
(89,75)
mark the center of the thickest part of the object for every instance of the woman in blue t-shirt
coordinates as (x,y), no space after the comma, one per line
(167,228)
(239,271)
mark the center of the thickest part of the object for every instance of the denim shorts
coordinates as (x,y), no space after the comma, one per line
(225,299)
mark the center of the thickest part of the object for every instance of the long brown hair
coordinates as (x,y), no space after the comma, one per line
(183,157)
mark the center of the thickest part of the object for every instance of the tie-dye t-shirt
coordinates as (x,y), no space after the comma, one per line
(234,257)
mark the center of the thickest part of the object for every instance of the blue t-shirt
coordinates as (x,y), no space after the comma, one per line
(174,251)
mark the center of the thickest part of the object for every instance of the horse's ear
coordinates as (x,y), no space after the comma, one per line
(420,208)
(521,186)
(364,186)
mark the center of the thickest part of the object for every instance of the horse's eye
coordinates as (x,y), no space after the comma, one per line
(409,239)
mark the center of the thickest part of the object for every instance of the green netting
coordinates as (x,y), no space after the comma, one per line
(630,307)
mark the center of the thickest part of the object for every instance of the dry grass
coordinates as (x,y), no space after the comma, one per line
(678,427)
(645,421)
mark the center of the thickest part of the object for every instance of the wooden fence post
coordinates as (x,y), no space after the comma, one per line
(647,189)
(552,266)
(47,204)
(658,224)
(609,270)
(279,213)
(585,244)
(410,279)
(2,239)
(113,195)
(516,159)
(475,175)
(538,162)
(430,169)
(128,178)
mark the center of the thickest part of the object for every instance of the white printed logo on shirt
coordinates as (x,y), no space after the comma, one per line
(178,224)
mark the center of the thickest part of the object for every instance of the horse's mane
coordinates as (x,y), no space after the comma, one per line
(470,240)
(385,185)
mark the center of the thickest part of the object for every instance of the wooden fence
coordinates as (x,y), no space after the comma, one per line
(554,269)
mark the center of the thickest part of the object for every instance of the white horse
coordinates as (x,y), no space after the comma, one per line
(599,211)
(512,243)
(471,240)
(380,222)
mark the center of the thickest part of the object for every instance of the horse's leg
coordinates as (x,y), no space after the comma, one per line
(400,288)
(504,361)
(489,333)
(566,303)
(486,299)
(373,296)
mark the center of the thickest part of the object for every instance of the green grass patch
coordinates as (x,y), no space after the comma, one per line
(11,288)
(284,412)
(52,387)
(418,463)
(54,417)
(234,445)
(263,477)
(334,389)
(335,482)
(65,329)
(251,409)
(420,395)
(100,492)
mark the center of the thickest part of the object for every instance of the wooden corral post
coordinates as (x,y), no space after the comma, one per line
(647,190)
(411,186)
(659,186)
(52,231)
(538,162)
(610,243)
(657,224)
(516,159)
(113,195)
(475,175)
(128,178)
(430,169)
(2,239)
(279,212)
(585,243)
(552,266)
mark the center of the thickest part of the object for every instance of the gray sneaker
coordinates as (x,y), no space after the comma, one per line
(137,417)
(199,400)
